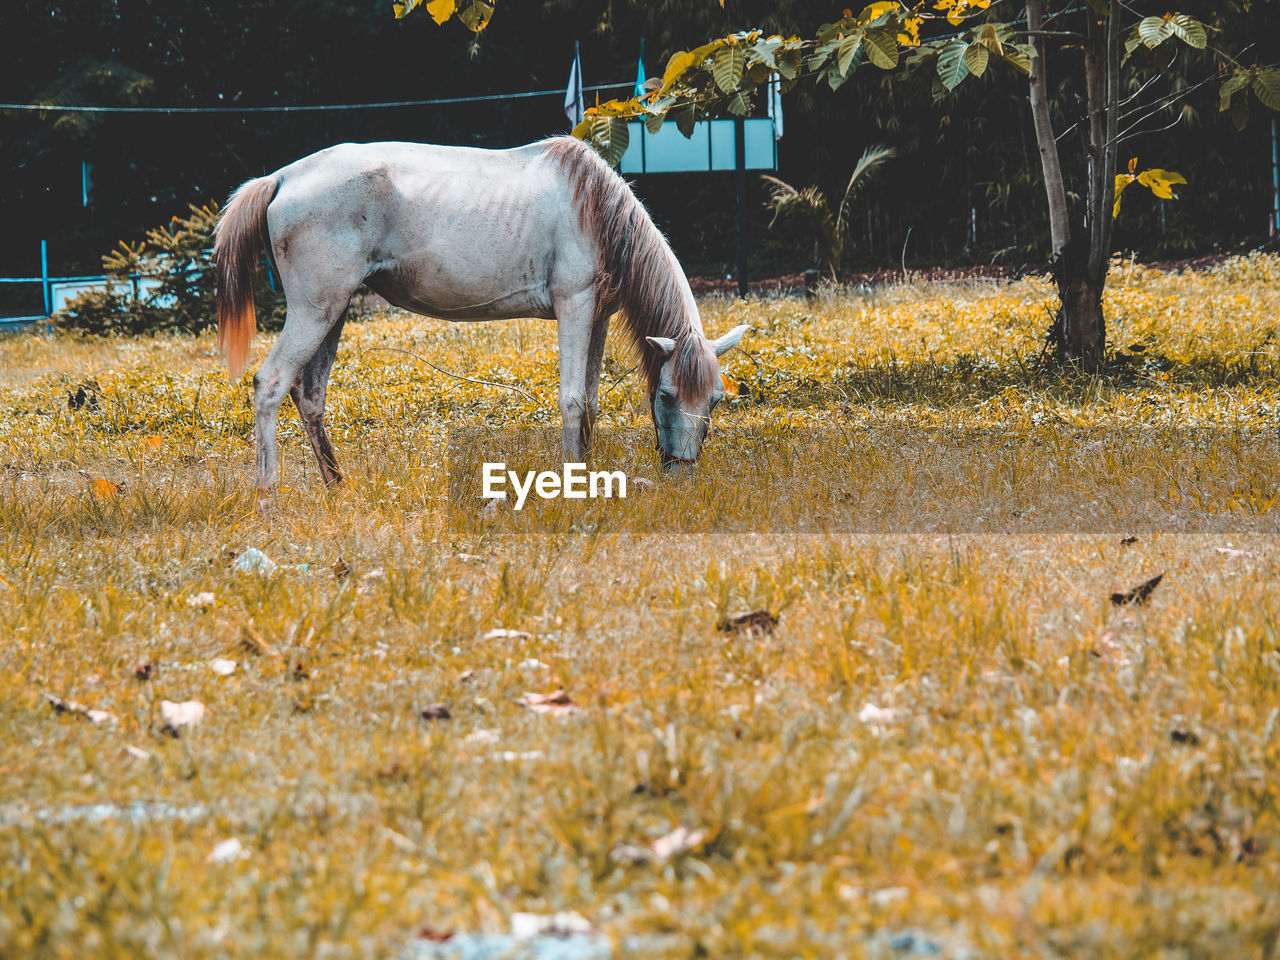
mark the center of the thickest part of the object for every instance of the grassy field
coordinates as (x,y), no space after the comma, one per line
(952,743)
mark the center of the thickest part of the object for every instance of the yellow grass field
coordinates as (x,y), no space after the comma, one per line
(952,743)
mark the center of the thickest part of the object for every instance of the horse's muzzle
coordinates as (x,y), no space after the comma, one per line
(674,466)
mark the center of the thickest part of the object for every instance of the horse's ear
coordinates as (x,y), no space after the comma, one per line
(664,344)
(729,340)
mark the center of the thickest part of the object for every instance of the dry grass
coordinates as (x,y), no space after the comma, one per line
(1043,773)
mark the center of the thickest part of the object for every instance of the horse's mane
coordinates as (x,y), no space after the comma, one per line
(638,274)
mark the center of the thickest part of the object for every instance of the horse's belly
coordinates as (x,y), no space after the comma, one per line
(485,294)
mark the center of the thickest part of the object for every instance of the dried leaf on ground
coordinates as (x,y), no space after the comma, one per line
(179,715)
(227,851)
(659,851)
(1139,594)
(341,568)
(748,624)
(502,633)
(557,702)
(432,935)
(563,924)
(79,709)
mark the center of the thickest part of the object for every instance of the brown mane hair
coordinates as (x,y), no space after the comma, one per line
(638,274)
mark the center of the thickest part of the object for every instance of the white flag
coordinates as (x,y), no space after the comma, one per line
(573,105)
(773,102)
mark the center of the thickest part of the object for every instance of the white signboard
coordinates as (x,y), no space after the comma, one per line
(711,147)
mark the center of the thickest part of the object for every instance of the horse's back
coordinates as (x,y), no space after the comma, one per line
(445,230)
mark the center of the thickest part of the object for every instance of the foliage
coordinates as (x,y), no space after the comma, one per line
(163,283)
(810,205)
(951,744)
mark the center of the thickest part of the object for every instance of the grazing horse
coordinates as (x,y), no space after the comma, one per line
(546,230)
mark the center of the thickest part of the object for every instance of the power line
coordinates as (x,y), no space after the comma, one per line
(311,108)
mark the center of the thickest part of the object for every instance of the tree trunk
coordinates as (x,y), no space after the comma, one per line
(1078,332)
(1081,269)
(1050,164)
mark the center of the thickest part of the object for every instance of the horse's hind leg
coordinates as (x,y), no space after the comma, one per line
(303,335)
(309,394)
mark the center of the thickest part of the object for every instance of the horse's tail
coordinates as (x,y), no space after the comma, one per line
(239,240)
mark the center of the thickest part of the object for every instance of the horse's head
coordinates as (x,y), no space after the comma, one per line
(687,388)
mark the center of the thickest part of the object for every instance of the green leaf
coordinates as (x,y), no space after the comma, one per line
(1237,82)
(726,67)
(1020,55)
(653,122)
(739,106)
(975,58)
(1240,112)
(1155,31)
(1266,86)
(1189,30)
(951,66)
(882,48)
(684,117)
(848,47)
(619,137)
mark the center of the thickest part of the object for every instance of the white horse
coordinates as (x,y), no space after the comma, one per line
(545,230)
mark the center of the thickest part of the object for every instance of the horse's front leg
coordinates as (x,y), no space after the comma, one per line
(574,319)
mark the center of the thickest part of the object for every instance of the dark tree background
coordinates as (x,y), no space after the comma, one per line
(966,180)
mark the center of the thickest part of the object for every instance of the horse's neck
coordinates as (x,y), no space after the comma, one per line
(691,318)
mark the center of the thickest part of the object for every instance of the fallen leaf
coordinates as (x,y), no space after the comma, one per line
(556,703)
(176,715)
(876,715)
(341,568)
(659,851)
(435,711)
(154,443)
(502,633)
(79,709)
(525,926)
(677,841)
(432,935)
(227,851)
(105,489)
(223,668)
(1139,594)
(757,622)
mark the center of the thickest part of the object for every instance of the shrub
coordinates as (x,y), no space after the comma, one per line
(165,283)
